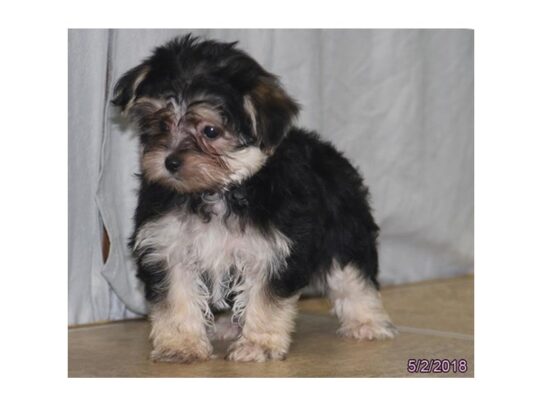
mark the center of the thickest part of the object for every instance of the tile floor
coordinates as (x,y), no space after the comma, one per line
(435,319)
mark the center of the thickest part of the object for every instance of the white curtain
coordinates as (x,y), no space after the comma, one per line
(399,103)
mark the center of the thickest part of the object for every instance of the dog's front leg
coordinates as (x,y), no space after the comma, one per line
(179,321)
(267,324)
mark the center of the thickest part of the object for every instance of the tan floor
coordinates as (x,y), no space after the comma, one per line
(436,321)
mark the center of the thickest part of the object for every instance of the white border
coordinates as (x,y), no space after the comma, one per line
(508,200)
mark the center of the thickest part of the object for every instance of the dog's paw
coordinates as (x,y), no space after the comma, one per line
(188,353)
(247,351)
(370,330)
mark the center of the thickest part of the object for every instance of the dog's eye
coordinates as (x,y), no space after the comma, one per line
(211,132)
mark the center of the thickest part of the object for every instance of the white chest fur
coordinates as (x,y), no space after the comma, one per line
(184,241)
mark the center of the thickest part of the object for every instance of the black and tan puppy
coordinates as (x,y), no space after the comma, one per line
(237,209)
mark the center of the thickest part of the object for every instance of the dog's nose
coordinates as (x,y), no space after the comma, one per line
(172,163)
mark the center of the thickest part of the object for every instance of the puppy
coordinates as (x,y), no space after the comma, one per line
(239,210)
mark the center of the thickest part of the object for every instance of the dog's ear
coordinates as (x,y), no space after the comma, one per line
(272,110)
(125,90)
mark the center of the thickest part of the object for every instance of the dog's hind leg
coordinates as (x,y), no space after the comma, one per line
(225,328)
(357,304)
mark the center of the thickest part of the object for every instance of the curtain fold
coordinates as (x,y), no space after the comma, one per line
(89,295)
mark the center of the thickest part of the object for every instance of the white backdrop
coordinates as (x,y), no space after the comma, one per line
(399,103)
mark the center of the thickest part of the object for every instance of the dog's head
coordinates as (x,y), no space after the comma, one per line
(208,114)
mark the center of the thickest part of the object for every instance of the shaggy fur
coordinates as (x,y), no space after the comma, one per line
(237,209)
